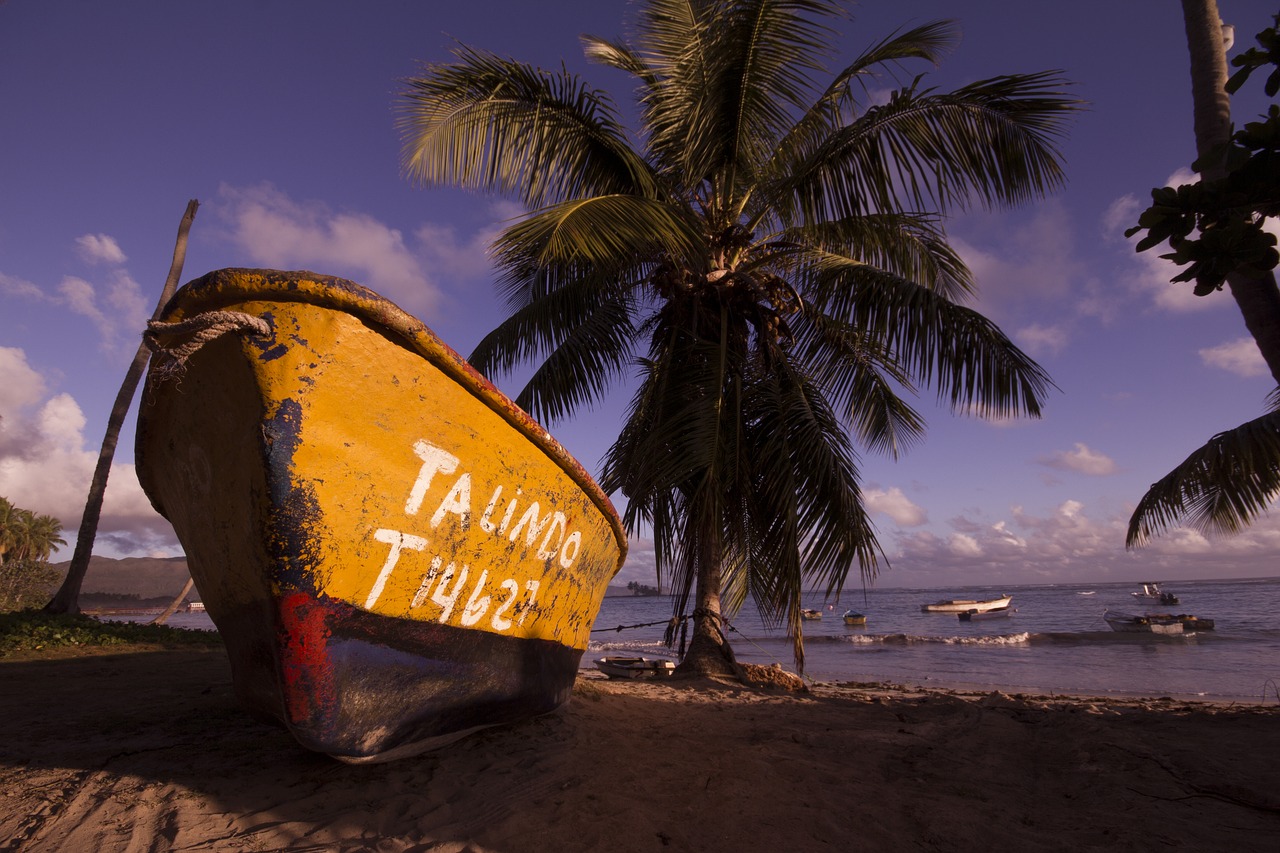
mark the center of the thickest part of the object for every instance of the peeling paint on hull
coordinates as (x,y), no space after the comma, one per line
(393,552)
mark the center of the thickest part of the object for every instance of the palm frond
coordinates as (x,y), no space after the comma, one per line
(973,365)
(993,141)
(590,358)
(488,123)
(618,55)
(664,459)
(1219,488)
(860,378)
(927,42)
(802,520)
(581,334)
(609,234)
(911,246)
(729,75)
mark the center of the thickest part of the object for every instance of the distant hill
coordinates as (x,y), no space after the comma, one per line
(145,577)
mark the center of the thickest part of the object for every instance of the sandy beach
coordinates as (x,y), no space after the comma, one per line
(147,750)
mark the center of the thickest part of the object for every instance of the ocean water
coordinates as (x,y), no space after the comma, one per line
(1055,642)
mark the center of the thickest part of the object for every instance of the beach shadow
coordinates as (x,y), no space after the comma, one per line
(99,752)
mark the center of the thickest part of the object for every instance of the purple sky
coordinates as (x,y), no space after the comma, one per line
(278,116)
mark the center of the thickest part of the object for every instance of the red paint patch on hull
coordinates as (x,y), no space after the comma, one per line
(310,694)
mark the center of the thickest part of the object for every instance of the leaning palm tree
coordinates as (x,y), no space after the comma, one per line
(67,598)
(765,261)
(1221,487)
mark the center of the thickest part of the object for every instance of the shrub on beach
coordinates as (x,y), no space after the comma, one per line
(32,630)
(26,583)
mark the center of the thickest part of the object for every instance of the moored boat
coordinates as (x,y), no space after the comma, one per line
(624,667)
(855,619)
(964,605)
(1152,590)
(975,615)
(1156,623)
(811,614)
(394,553)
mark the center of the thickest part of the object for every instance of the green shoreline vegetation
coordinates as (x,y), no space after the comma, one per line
(34,630)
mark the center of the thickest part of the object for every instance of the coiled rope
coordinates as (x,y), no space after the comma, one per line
(171,344)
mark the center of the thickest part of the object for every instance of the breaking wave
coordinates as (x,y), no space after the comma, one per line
(1017,639)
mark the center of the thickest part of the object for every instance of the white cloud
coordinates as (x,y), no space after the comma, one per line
(448,253)
(1082,460)
(81,297)
(22,386)
(1041,340)
(641,564)
(964,545)
(896,505)
(46,467)
(1121,215)
(280,233)
(1022,258)
(12,286)
(1240,357)
(1070,545)
(99,248)
(118,309)
(120,315)
(1152,275)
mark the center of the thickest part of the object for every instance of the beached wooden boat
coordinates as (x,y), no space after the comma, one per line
(393,552)
(1156,623)
(623,667)
(964,605)
(975,615)
(854,619)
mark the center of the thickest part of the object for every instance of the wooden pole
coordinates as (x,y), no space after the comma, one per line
(67,599)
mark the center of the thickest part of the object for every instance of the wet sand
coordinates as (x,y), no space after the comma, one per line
(147,750)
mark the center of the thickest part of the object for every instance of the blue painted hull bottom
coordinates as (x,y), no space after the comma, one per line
(367,688)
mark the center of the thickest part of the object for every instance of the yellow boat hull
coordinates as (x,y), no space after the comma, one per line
(394,553)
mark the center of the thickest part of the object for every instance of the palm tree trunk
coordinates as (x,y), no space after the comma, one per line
(67,599)
(1257,298)
(709,651)
(173,605)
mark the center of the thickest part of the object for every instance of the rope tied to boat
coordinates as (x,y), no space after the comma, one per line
(171,344)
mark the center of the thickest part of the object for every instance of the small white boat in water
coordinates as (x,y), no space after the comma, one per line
(964,605)
(623,667)
(1152,590)
(980,615)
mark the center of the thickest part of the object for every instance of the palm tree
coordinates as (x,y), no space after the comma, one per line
(19,535)
(8,527)
(766,260)
(25,535)
(44,535)
(1222,486)
(1257,296)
